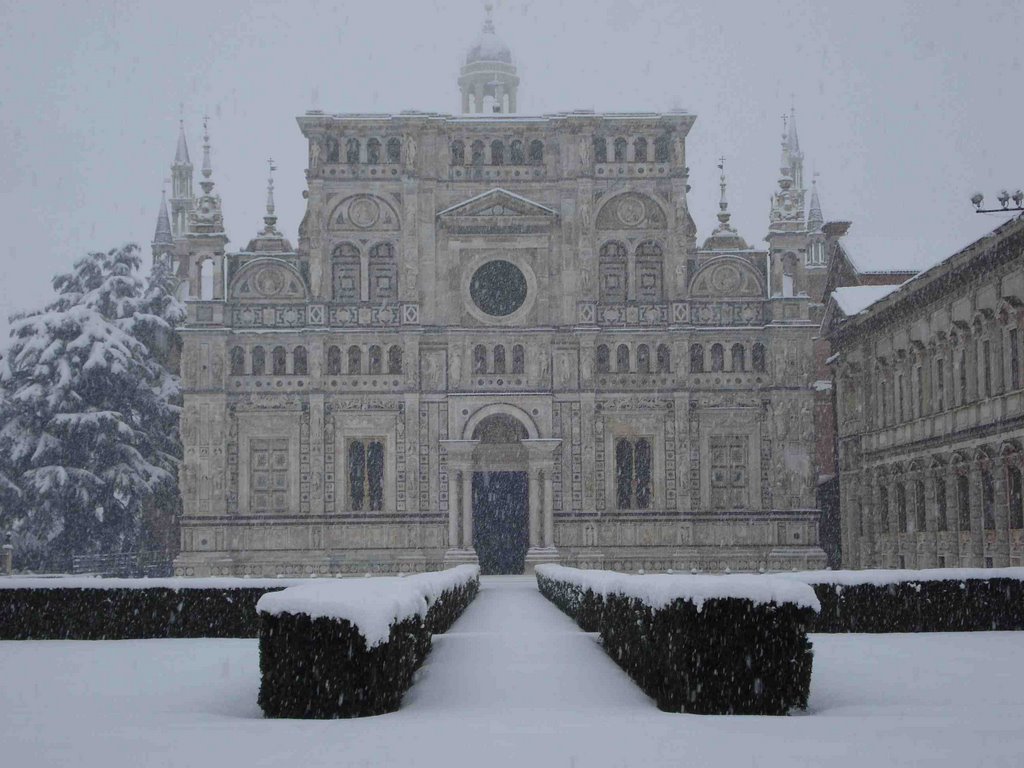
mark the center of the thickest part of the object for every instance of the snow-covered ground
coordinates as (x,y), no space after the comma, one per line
(514,683)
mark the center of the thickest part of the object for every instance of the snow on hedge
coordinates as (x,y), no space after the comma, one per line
(659,590)
(370,605)
(885,577)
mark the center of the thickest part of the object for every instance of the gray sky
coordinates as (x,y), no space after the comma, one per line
(904,108)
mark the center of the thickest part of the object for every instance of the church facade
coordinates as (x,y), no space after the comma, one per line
(497,340)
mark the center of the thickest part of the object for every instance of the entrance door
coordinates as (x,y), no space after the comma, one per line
(501,521)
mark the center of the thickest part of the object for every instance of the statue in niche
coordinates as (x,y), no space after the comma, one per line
(584,146)
(410,151)
(545,367)
(317,485)
(587,365)
(217,365)
(189,428)
(314,155)
(431,372)
(190,481)
(456,365)
(564,372)
(584,217)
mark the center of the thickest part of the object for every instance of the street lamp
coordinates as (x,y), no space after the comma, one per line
(1004,198)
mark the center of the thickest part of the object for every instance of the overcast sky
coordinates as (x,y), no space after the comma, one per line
(904,108)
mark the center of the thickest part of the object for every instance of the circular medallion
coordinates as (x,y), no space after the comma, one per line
(269,282)
(498,288)
(364,212)
(725,279)
(631,211)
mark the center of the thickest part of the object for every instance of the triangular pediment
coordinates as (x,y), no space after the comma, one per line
(497,204)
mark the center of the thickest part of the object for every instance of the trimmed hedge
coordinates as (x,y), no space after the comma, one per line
(924,601)
(49,610)
(719,655)
(322,667)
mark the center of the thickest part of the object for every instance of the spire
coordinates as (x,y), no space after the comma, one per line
(207,171)
(793,142)
(270,220)
(815,220)
(163,235)
(725,237)
(489,18)
(181,153)
(488,73)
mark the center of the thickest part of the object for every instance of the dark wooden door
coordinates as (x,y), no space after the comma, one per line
(501,521)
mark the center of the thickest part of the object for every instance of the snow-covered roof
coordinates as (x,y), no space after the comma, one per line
(854,299)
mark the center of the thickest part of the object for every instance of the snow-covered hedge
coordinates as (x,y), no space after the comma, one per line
(932,600)
(84,608)
(701,644)
(349,648)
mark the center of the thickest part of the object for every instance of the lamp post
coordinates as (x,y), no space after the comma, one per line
(8,555)
(1004,199)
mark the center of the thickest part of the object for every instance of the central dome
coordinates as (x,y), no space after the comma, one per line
(489,47)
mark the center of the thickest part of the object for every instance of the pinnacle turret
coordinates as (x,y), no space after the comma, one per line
(815,219)
(725,236)
(181,153)
(163,235)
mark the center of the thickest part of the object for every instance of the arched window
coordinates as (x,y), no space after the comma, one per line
(346,267)
(516,156)
(355,360)
(717,357)
(901,507)
(604,362)
(497,152)
(613,268)
(662,150)
(279,361)
(366,475)
(333,151)
(757,358)
(633,463)
(237,361)
(376,359)
(640,149)
(352,151)
(988,500)
(479,359)
(394,150)
(383,273)
(373,151)
(600,149)
(622,359)
(649,261)
(395,359)
(518,359)
(1015,496)
(619,148)
(664,359)
(300,361)
(458,152)
(963,501)
(259,361)
(206,279)
(739,357)
(643,359)
(333,361)
(921,517)
(536,152)
(883,508)
(941,508)
(696,358)
(499,359)
(477,153)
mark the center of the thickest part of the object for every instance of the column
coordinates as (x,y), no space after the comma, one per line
(549,510)
(534,500)
(467,509)
(453,522)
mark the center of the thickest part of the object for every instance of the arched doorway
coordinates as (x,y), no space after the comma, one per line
(500,495)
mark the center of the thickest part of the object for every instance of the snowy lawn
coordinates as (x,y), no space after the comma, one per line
(514,683)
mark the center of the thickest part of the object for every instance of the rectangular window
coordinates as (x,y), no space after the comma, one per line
(882,414)
(633,464)
(901,508)
(940,504)
(1014,359)
(940,386)
(729,472)
(268,475)
(901,414)
(920,392)
(1016,499)
(366,474)
(921,523)
(963,377)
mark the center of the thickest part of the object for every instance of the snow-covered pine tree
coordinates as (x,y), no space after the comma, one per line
(89,412)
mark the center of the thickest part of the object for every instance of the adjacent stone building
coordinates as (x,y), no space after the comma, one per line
(497,338)
(930,411)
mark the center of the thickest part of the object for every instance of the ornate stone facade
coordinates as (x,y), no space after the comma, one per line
(930,413)
(498,294)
